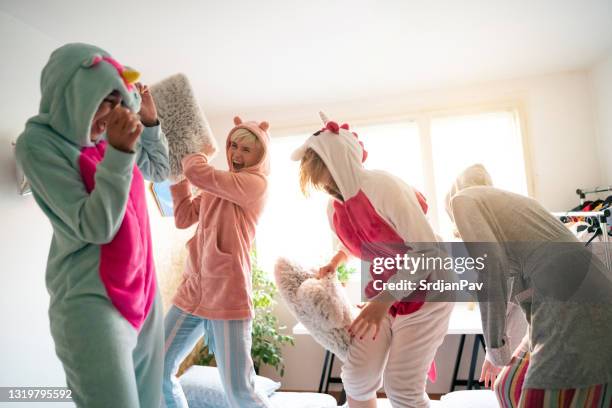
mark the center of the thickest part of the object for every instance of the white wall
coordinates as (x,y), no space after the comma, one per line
(601,81)
(558,114)
(27,355)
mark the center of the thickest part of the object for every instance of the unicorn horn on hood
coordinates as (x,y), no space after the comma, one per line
(324,118)
(130,76)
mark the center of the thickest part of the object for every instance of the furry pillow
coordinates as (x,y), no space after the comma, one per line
(320,305)
(183,122)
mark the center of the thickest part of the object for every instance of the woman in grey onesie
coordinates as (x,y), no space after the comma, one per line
(534,261)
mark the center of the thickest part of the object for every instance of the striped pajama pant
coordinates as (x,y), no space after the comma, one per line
(511,394)
(229,340)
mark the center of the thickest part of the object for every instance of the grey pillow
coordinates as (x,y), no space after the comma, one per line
(320,305)
(182,120)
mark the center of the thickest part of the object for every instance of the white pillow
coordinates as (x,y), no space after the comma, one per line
(202,387)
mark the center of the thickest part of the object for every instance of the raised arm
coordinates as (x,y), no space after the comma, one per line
(241,188)
(186,207)
(152,154)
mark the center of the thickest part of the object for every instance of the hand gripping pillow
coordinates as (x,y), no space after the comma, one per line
(183,122)
(319,304)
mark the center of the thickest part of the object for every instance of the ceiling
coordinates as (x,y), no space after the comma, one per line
(242,55)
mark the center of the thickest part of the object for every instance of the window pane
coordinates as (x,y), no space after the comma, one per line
(394,148)
(292,225)
(492,139)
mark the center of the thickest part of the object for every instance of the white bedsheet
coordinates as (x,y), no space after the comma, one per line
(384,403)
(302,400)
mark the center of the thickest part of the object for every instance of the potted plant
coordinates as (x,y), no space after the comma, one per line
(267,339)
(344,273)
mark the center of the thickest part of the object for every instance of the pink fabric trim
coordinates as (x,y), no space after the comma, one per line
(126,263)
(367,235)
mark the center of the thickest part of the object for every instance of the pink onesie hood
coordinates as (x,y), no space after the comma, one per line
(260,130)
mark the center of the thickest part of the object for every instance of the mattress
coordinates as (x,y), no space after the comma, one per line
(384,403)
(302,400)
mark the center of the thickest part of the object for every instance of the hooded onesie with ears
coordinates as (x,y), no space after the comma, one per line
(535,262)
(104,312)
(379,215)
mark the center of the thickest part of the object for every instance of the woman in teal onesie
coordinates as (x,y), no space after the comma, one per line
(86,155)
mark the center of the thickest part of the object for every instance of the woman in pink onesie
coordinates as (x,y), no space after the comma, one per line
(375,214)
(214,299)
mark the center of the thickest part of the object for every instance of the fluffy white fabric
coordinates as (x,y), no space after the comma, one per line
(320,305)
(183,122)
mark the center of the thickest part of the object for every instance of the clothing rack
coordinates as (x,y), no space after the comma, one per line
(582,193)
(603,217)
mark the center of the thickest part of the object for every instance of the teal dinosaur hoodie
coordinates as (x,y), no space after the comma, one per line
(92,193)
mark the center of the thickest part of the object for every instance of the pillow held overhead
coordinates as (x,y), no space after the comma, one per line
(183,122)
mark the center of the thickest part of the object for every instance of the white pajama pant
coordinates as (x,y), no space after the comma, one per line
(401,355)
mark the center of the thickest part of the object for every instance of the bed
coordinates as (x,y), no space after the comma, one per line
(203,389)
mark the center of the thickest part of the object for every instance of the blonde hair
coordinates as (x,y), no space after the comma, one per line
(244,135)
(312,170)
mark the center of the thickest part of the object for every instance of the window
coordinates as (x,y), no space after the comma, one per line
(395,148)
(493,139)
(292,225)
(428,153)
